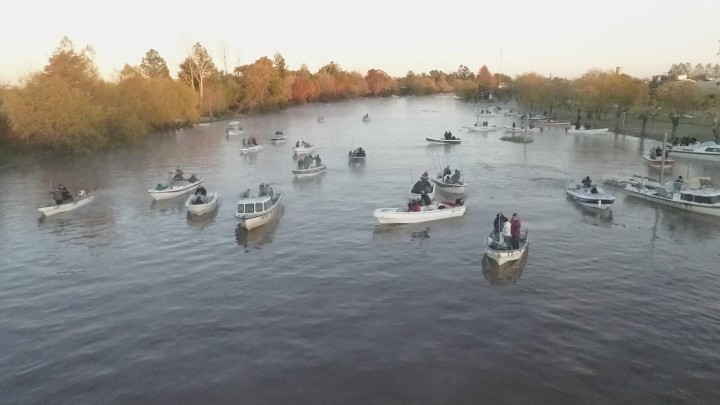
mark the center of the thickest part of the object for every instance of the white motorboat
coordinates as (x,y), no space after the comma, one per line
(357,156)
(311,171)
(234,129)
(251,148)
(175,187)
(426,213)
(443,141)
(691,196)
(709,151)
(303,149)
(481,128)
(446,184)
(203,205)
(521,129)
(658,163)
(278,137)
(78,201)
(497,250)
(257,209)
(590,131)
(591,196)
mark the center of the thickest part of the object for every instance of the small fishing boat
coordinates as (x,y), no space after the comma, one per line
(481,128)
(521,129)
(589,131)
(558,122)
(78,201)
(453,141)
(278,137)
(234,129)
(303,148)
(251,148)
(497,250)
(450,184)
(657,163)
(357,156)
(366,118)
(257,209)
(590,195)
(432,212)
(175,187)
(309,172)
(201,205)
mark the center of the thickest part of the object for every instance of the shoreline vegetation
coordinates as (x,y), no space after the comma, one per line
(68,109)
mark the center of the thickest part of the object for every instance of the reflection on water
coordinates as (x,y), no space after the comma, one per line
(260,236)
(502,275)
(592,215)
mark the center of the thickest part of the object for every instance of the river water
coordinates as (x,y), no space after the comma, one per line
(126,301)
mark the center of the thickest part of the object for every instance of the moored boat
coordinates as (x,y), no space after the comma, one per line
(691,196)
(234,129)
(709,151)
(498,251)
(481,128)
(78,201)
(432,212)
(257,209)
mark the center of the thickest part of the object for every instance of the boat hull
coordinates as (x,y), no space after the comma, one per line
(601,201)
(252,149)
(450,187)
(57,209)
(202,209)
(399,216)
(587,131)
(173,192)
(521,130)
(481,129)
(303,151)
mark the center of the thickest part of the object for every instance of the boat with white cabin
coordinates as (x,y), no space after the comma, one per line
(255,209)
(202,204)
(234,129)
(708,151)
(78,201)
(498,251)
(415,213)
(690,196)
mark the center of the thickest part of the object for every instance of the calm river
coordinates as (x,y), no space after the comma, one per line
(126,301)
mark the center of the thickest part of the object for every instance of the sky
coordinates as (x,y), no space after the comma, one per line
(554,37)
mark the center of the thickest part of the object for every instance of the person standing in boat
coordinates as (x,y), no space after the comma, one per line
(201,191)
(57,195)
(586,182)
(318,162)
(515,225)
(500,220)
(507,235)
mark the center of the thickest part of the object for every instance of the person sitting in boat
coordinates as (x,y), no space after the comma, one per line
(254,141)
(446,135)
(297,144)
(201,191)
(425,199)
(586,182)
(243,142)
(178,174)
(593,190)
(318,162)
(455,179)
(308,161)
(67,196)
(658,151)
(301,163)
(199,199)
(679,180)
(413,206)
(447,171)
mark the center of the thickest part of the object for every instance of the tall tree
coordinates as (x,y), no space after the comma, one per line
(197,68)
(378,81)
(76,67)
(678,98)
(153,66)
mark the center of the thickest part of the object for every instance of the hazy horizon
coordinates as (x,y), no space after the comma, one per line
(558,38)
